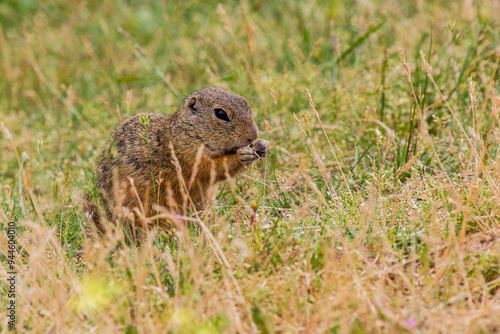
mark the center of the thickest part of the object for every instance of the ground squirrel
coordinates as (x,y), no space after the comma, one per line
(140,152)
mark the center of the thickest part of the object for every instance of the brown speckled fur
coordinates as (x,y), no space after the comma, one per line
(127,156)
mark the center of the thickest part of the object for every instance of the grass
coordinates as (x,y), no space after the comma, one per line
(378,209)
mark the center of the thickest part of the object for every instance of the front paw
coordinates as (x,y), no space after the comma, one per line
(261,147)
(246,155)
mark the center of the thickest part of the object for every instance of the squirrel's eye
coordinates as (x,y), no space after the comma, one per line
(221,114)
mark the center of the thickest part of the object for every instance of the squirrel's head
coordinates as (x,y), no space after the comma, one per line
(220,120)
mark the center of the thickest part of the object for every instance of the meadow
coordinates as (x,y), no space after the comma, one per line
(377,210)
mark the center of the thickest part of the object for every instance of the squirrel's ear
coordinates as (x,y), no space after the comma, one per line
(193,105)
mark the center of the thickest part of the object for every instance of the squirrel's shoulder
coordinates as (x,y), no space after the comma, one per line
(136,119)
(135,124)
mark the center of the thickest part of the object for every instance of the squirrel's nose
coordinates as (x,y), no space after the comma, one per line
(253,134)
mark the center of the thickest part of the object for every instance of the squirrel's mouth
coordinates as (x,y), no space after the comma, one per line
(233,150)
